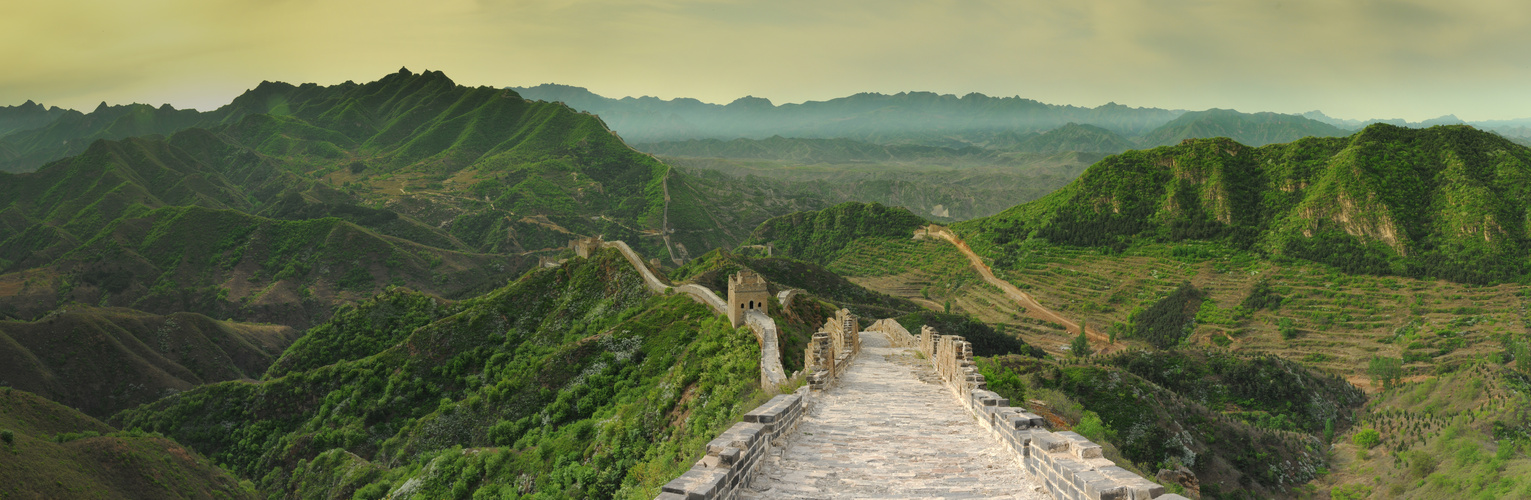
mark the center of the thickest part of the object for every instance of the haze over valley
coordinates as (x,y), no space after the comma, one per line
(1029,250)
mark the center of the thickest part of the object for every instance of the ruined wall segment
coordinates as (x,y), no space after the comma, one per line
(831,349)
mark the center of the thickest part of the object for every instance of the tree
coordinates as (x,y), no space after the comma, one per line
(1081,344)
(8,436)
(1367,438)
(1386,371)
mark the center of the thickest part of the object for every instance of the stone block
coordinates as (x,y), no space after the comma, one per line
(1117,473)
(1104,489)
(1143,489)
(670,496)
(1069,469)
(742,435)
(697,484)
(1049,442)
(1172,496)
(1083,477)
(730,456)
(770,412)
(1086,450)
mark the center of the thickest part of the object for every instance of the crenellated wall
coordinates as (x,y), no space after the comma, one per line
(1066,464)
(830,351)
(732,458)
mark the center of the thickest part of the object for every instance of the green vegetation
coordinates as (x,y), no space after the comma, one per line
(1266,391)
(1385,201)
(1367,438)
(570,381)
(1080,346)
(1227,418)
(52,451)
(1459,435)
(1167,323)
(293,199)
(985,340)
(818,237)
(104,360)
(1385,371)
(713,269)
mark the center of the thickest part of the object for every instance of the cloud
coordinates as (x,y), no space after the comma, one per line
(1352,58)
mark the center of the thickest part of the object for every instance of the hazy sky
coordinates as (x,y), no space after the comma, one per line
(1349,58)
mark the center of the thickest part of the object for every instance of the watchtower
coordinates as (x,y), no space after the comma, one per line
(746,291)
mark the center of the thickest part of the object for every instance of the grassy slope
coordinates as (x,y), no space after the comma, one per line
(410,180)
(1447,201)
(96,462)
(72,132)
(1460,435)
(101,360)
(1229,419)
(570,379)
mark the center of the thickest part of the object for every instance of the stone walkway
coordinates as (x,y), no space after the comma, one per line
(888,430)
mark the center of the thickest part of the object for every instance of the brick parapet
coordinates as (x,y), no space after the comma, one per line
(734,456)
(831,349)
(1067,465)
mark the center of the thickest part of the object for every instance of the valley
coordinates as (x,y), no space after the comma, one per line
(410,288)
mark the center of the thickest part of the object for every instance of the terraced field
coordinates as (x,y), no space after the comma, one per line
(1327,319)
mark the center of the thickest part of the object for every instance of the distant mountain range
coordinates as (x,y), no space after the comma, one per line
(972,120)
(908,117)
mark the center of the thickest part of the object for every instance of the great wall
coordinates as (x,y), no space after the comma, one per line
(883,414)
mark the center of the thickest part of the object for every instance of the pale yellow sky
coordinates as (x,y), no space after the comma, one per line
(1350,58)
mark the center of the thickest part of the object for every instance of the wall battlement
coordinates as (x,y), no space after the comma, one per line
(1066,464)
(831,349)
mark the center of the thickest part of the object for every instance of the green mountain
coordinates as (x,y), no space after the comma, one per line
(294,198)
(26,116)
(1448,201)
(571,381)
(1254,129)
(55,452)
(104,360)
(72,132)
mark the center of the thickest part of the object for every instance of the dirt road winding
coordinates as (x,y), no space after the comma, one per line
(1098,340)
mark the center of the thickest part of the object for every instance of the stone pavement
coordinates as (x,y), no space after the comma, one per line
(889,429)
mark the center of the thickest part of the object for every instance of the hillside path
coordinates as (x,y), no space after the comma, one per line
(889,429)
(1100,342)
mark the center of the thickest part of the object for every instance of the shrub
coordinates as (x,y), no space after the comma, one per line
(8,436)
(1091,427)
(1367,438)
(1350,492)
(1166,323)
(1080,346)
